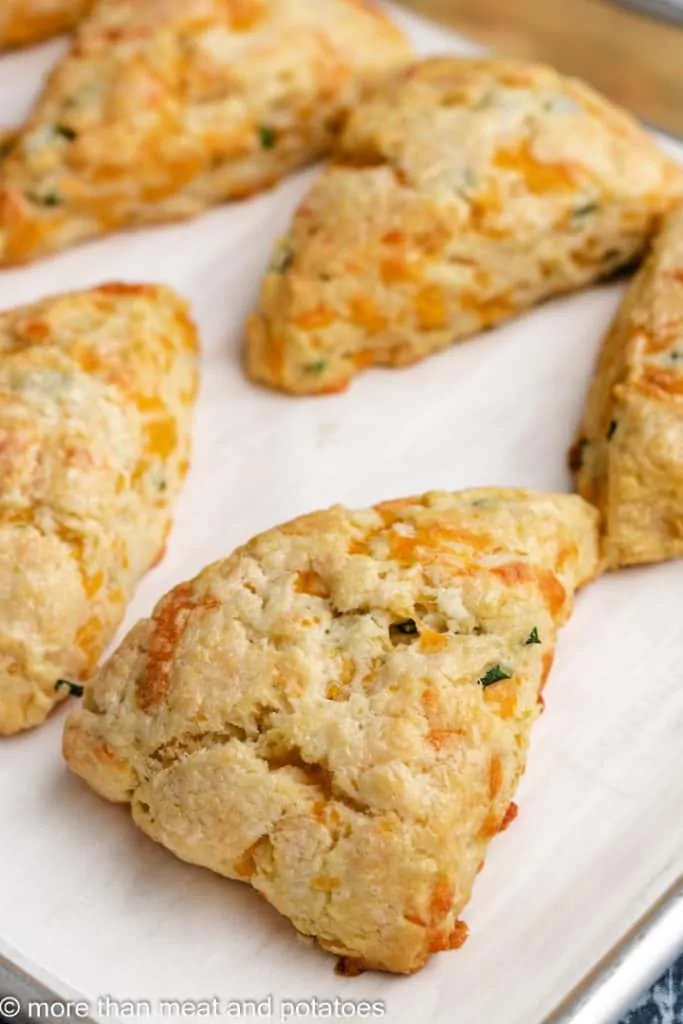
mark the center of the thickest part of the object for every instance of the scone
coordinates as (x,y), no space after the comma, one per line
(462,193)
(29,21)
(339,712)
(628,456)
(8,140)
(164,108)
(96,393)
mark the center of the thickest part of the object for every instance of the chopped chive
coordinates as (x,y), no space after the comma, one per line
(585,209)
(533,637)
(282,260)
(157,478)
(267,136)
(66,132)
(317,367)
(45,198)
(494,675)
(484,101)
(75,689)
(612,430)
(403,632)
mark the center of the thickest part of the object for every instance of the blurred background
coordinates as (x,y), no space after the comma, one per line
(630,49)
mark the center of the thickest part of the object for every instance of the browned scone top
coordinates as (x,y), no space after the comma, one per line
(628,455)
(164,108)
(462,193)
(30,21)
(339,712)
(96,395)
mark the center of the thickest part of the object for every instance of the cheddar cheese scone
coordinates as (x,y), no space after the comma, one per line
(462,193)
(29,21)
(628,456)
(8,140)
(96,392)
(164,108)
(339,712)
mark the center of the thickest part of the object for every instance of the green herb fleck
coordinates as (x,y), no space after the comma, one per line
(676,356)
(66,132)
(469,184)
(282,260)
(75,689)
(317,367)
(585,209)
(45,198)
(561,105)
(158,478)
(533,638)
(612,430)
(87,92)
(403,632)
(484,102)
(494,675)
(267,136)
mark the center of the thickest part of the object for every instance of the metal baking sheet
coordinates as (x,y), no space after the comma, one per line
(90,907)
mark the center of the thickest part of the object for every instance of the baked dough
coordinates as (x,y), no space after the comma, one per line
(8,140)
(628,456)
(29,21)
(96,392)
(339,712)
(164,108)
(462,193)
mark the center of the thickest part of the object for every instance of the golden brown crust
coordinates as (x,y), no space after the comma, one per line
(339,712)
(96,391)
(30,21)
(463,192)
(628,454)
(163,109)
(8,140)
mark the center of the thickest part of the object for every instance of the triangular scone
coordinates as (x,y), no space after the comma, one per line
(164,108)
(628,457)
(462,193)
(339,712)
(96,393)
(29,21)
(8,140)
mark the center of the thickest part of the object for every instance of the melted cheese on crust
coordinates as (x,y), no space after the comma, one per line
(96,392)
(628,455)
(165,108)
(309,715)
(462,193)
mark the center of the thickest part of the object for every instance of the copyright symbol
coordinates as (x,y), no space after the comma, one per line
(9,1006)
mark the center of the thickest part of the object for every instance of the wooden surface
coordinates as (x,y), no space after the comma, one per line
(636,60)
